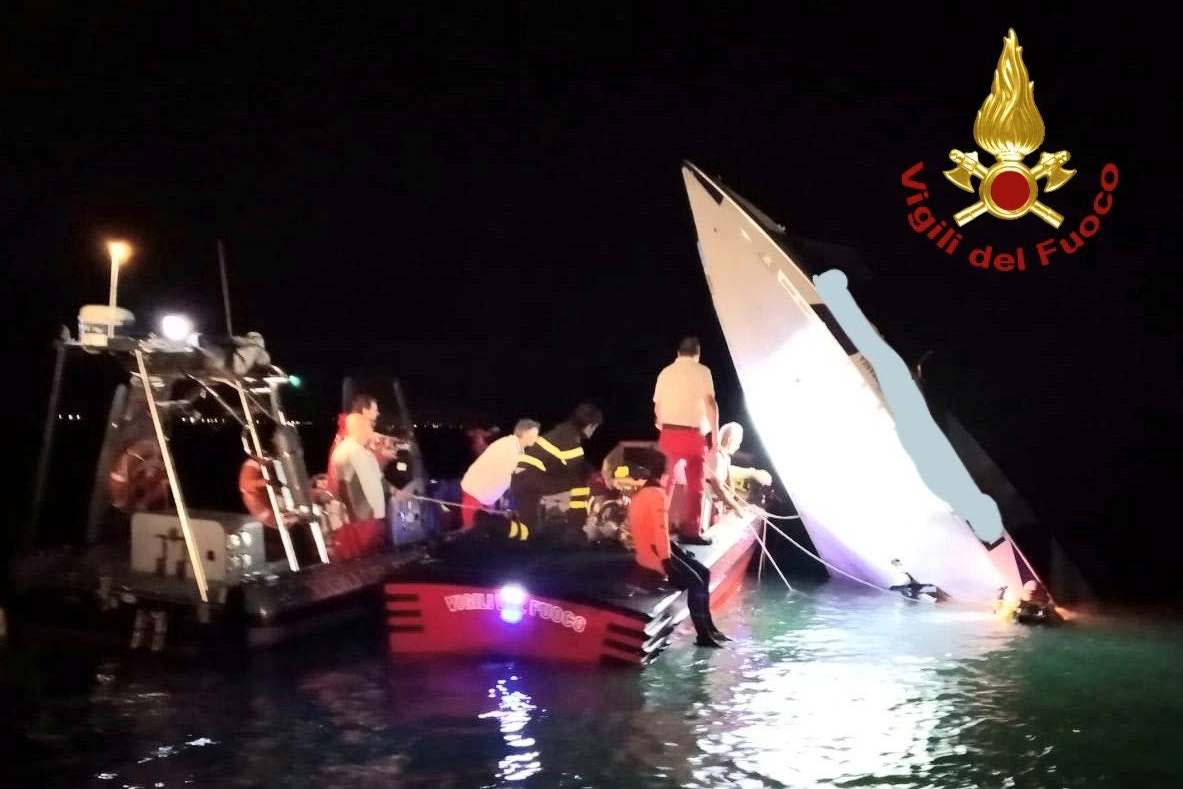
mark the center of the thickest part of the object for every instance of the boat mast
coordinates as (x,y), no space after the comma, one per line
(225,287)
(55,393)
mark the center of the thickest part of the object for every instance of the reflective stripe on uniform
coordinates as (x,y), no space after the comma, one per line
(532,461)
(579,498)
(562,454)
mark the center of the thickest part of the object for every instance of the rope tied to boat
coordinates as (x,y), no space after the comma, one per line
(447,505)
(768,555)
(764,516)
(768,514)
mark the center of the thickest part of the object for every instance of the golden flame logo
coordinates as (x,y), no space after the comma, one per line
(1009,126)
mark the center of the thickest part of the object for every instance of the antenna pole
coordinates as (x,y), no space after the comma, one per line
(51,418)
(225,287)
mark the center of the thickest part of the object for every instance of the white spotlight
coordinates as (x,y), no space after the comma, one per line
(176,327)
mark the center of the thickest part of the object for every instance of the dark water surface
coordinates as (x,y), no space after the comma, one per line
(831,687)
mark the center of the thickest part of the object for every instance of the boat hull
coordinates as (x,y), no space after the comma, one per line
(821,415)
(89,597)
(564,615)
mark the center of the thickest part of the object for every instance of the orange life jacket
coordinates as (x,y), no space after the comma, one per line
(137,481)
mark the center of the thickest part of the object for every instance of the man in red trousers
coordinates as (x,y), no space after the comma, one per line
(686,411)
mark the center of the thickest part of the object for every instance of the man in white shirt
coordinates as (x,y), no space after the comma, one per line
(722,474)
(367,406)
(489,476)
(361,488)
(686,412)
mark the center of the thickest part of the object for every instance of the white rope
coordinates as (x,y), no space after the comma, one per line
(839,570)
(763,515)
(768,555)
(458,505)
(768,514)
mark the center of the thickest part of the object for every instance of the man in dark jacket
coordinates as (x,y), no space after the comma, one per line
(555,465)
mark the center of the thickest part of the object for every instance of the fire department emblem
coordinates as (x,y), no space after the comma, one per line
(1009,127)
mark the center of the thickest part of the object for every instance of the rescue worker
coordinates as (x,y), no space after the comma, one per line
(723,475)
(489,476)
(361,488)
(367,406)
(686,413)
(658,558)
(1035,606)
(555,465)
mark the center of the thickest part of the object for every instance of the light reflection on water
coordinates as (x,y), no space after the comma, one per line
(824,702)
(513,714)
(833,687)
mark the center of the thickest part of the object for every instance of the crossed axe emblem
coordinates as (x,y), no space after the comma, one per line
(1009,189)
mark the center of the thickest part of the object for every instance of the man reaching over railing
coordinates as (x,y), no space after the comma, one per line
(723,475)
(489,476)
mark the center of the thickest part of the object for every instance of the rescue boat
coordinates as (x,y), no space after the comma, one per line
(485,595)
(155,573)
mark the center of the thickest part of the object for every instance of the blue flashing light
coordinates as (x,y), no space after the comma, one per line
(512,599)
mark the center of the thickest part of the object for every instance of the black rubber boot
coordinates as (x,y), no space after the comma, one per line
(702,626)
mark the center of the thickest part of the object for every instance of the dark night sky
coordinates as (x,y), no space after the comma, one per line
(489,204)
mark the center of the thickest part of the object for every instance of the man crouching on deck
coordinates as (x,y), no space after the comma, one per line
(554,467)
(489,476)
(723,474)
(657,557)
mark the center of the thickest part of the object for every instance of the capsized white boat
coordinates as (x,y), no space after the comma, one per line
(826,424)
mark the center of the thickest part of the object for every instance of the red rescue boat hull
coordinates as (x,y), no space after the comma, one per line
(439,617)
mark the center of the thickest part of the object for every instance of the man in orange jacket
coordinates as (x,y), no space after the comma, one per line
(659,558)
